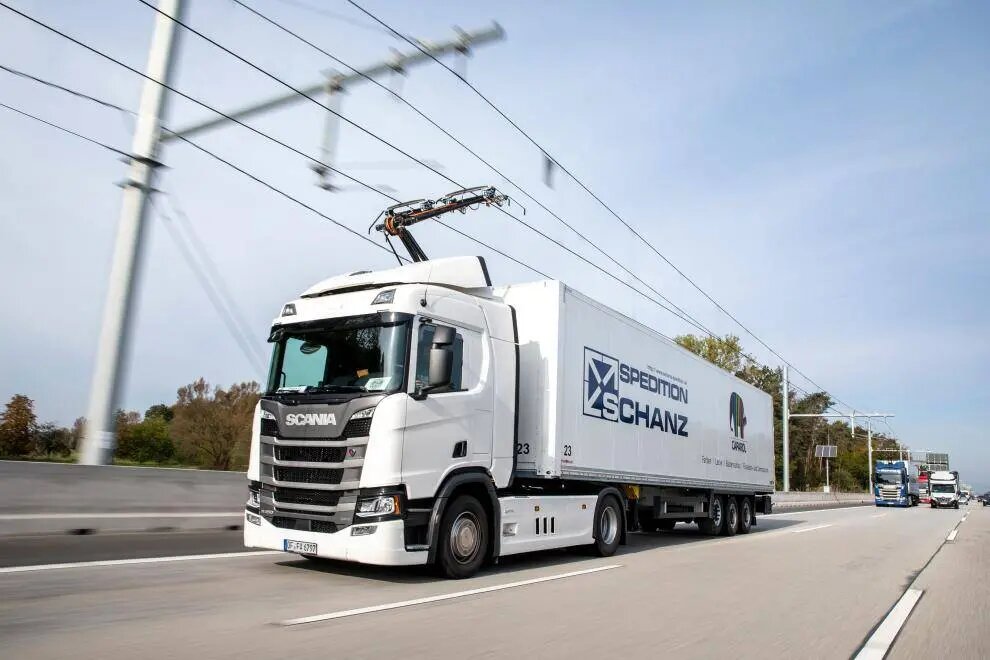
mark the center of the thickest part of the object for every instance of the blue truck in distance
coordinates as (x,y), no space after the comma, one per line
(895,483)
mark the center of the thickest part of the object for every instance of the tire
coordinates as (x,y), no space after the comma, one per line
(745,515)
(956,505)
(463,540)
(713,524)
(731,516)
(607,526)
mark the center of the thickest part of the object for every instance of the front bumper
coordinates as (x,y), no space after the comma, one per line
(901,501)
(385,547)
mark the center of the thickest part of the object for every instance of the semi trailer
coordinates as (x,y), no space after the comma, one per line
(422,415)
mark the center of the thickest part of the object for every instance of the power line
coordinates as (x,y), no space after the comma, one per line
(337,16)
(303,154)
(62,88)
(680,313)
(66,130)
(573,177)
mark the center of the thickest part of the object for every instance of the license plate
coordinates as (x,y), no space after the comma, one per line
(302,547)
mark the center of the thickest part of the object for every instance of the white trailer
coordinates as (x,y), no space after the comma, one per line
(420,415)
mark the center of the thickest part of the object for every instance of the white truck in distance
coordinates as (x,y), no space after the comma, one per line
(420,415)
(944,489)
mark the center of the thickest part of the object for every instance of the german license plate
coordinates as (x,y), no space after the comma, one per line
(302,547)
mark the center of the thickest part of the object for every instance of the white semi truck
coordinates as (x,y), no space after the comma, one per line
(421,415)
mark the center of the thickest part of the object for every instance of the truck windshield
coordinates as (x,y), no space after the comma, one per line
(889,477)
(356,355)
(943,488)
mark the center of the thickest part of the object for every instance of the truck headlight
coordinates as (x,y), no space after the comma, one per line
(363,414)
(254,499)
(379,506)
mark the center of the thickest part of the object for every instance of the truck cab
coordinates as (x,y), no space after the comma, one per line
(944,487)
(383,387)
(896,484)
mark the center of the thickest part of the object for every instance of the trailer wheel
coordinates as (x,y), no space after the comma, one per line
(463,538)
(745,515)
(607,526)
(712,525)
(731,516)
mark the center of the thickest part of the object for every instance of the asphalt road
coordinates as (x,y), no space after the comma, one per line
(812,584)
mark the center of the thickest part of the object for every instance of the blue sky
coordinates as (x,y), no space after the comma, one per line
(820,168)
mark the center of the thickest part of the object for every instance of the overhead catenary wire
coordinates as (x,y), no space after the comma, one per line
(464,234)
(119,152)
(382,140)
(683,315)
(546,153)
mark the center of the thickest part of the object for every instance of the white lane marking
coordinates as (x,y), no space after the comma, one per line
(150,514)
(952,535)
(810,529)
(142,560)
(879,515)
(432,599)
(879,643)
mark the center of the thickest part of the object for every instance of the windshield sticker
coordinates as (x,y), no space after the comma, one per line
(378,383)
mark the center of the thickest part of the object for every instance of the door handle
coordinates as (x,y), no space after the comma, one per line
(460,449)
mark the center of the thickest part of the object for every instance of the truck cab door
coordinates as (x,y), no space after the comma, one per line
(451,428)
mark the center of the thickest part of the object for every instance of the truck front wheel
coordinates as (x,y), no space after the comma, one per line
(463,538)
(608,526)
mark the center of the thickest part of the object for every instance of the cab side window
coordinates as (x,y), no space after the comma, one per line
(424,344)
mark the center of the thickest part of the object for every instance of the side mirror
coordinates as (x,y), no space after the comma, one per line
(441,366)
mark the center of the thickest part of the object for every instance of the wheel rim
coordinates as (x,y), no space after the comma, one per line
(465,538)
(733,516)
(608,525)
(745,513)
(717,513)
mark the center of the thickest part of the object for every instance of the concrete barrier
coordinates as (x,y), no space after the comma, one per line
(44,498)
(818,500)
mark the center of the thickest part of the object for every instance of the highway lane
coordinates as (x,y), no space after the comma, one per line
(812,584)
(31,550)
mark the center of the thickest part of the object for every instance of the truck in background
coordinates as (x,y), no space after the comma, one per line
(895,483)
(924,493)
(422,415)
(944,489)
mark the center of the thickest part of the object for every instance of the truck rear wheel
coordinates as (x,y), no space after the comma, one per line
(608,526)
(745,515)
(713,524)
(463,538)
(731,516)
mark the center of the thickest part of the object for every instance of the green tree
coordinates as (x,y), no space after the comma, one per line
(147,441)
(212,426)
(18,424)
(725,352)
(51,439)
(160,410)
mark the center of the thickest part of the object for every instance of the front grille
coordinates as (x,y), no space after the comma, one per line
(269,427)
(312,497)
(322,526)
(311,454)
(357,428)
(308,475)
(303,525)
